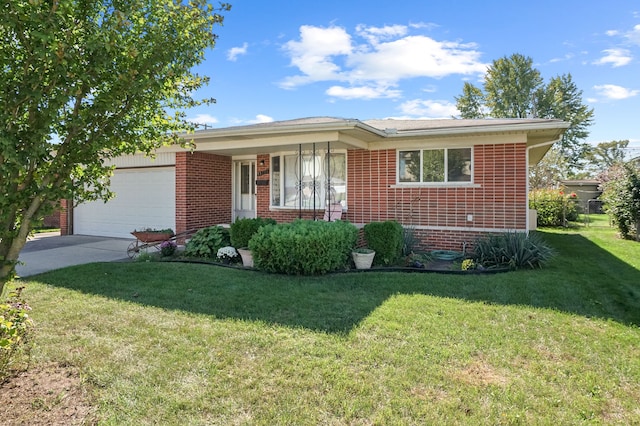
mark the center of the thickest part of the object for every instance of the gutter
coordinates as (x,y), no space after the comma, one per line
(501,128)
(352,124)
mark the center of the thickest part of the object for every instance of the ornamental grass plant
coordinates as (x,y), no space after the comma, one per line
(513,250)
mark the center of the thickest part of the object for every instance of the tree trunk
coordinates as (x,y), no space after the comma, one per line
(10,250)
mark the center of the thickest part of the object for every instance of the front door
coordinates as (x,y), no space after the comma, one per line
(244,189)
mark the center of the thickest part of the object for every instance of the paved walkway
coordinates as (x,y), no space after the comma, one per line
(49,251)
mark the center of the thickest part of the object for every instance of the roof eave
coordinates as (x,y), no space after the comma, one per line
(560,126)
(249,132)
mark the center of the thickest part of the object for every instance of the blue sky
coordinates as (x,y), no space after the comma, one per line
(279,60)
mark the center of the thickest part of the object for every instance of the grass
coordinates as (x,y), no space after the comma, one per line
(170,343)
(45,229)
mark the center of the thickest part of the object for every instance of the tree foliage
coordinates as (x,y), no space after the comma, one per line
(563,100)
(621,195)
(471,103)
(605,155)
(513,88)
(84,81)
(549,171)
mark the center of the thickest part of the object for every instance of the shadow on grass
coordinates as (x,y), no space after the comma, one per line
(584,279)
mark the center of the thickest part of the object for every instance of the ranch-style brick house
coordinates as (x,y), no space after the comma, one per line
(449,180)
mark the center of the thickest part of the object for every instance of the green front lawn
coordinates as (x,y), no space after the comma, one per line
(172,343)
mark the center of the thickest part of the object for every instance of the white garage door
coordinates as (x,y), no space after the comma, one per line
(144,198)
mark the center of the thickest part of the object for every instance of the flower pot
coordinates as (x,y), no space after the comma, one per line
(363,258)
(247,257)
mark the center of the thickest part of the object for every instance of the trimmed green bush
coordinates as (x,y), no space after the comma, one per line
(207,241)
(387,239)
(303,247)
(514,250)
(242,230)
(554,207)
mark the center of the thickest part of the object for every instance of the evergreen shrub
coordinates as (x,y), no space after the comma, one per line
(242,230)
(387,239)
(303,247)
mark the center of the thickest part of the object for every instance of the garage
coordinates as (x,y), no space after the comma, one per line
(144,198)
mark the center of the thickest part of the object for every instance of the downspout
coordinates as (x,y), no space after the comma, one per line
(315,183)
(328,189)
(527,223)
(299,181)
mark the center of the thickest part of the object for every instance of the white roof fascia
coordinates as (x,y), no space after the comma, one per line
(499,128)
(248,131)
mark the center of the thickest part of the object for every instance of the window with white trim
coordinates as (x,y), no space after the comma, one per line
(444,165)
(311,180)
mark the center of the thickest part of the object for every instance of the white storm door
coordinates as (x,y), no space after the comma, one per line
(244,189)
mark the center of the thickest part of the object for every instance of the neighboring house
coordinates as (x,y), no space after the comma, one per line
(450,180)
(587,192)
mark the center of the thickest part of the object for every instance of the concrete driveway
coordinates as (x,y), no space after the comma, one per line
(49,251)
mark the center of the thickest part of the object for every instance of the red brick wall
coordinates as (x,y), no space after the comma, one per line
(65,226)
(496,200)
(203,190)
(52,220)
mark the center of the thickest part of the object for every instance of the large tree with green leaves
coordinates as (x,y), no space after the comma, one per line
(605,155)
(513,88)
(84,81)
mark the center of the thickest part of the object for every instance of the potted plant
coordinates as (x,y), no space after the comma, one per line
(241,232)
(363,257)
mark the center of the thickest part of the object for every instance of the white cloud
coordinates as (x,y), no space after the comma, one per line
(611,91)
(429,108)
(261,118)
(234,52)
(425,25)
(615,57)
(416,56)
(313,54)
(203,119)
(612,33)
(375,34)
(385,56)
(362,92)
(634,35)
(566,57)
